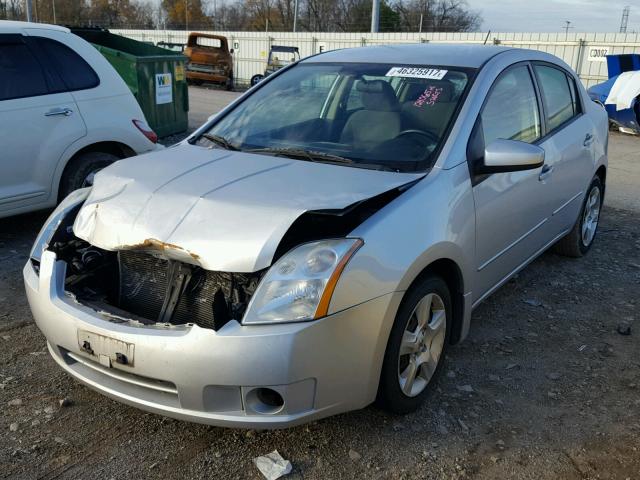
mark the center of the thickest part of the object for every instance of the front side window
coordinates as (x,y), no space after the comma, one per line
(378,116)
(511,110)
(556,94)
(20,73)
(72,68)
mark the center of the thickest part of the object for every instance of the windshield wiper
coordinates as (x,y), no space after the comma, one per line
(220,141)
(310,155)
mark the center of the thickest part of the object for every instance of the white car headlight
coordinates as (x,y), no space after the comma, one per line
(299,286)
(52,224)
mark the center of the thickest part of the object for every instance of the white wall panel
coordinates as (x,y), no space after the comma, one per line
(251,56)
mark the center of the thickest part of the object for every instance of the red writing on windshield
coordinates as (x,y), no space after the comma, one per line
(428,97)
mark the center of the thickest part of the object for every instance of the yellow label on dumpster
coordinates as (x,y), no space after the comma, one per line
(179,72)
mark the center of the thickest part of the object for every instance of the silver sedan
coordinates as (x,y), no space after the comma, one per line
(319,244)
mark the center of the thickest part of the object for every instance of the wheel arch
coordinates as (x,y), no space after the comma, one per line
(118,149)
(450,271)
(601,173)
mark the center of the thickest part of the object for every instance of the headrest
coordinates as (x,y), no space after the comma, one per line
(377,95)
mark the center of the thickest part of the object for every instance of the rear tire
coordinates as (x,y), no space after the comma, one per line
(579,240)
(416,347)
(79,172)
(256,79)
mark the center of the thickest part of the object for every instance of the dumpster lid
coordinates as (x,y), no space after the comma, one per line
(142,50)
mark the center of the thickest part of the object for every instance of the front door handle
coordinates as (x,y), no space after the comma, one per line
(545,173)
(588,140)
(59,111)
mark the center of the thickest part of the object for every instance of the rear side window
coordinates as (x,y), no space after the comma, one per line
(72,68)
(20,73)
(511,111)
(559,100)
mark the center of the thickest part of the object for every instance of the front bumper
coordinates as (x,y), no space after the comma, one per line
(319,368)
(208,77)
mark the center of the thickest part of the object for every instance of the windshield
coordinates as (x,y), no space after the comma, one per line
(379,116)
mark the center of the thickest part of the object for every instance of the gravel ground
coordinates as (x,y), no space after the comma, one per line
(544,387)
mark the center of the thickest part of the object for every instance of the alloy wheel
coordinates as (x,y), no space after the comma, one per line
(590,216)
(422,344)
(88,181)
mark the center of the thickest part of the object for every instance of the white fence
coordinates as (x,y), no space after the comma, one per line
(583,51)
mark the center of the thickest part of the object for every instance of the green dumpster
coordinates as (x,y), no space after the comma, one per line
(154,75)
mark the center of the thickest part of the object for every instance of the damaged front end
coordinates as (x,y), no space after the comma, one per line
(154,283)
(144,287)
(140,285)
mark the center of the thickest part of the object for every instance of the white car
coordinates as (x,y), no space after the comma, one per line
(65,113)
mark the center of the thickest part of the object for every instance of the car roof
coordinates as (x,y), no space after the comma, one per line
(453,55)
(10,26)
(283,48)
(206,35)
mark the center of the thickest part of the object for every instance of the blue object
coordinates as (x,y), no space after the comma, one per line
(629,118)
(616,64)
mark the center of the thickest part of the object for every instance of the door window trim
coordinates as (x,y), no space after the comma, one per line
(19,39)
(475,178)
(579,101)
(53,68)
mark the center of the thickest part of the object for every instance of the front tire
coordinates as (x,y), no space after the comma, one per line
(416,347)
(229,83)
(80,171)
(579,240)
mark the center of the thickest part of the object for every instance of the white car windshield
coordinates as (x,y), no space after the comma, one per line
(379,116)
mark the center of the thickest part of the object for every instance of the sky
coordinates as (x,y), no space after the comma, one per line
(549,15)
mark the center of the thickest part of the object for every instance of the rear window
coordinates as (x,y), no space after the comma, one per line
(72,68)
(559,100)
(208,42)
(20,73)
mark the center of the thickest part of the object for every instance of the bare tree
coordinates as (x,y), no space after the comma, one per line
(12,10)
(437,15)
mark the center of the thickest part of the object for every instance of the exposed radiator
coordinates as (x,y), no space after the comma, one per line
(177,293)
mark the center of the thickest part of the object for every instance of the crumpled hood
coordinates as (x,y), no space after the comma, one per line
(222,210)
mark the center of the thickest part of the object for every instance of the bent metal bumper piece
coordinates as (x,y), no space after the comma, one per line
(262,376)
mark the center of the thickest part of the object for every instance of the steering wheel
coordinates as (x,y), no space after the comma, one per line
(433,138)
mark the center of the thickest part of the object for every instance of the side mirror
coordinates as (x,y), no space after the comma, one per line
(231,51)
(510,156)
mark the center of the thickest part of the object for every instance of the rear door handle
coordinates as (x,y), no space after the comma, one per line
(545,173)
(588,140)
(59,111)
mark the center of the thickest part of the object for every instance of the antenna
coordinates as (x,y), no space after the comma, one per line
(625,19)
(567,26)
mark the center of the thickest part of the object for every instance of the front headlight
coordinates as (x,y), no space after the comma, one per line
(50,227)
(299,286)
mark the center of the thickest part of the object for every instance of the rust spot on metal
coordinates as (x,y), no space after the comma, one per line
(154,244)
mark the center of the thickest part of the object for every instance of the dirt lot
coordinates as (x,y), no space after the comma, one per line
(544,387)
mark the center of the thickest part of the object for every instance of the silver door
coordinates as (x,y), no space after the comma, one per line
(568,144)
(512,209)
